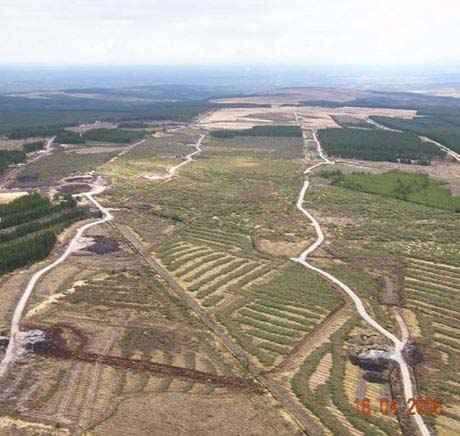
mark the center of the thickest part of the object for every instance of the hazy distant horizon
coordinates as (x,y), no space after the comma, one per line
(245,45)
(245,78)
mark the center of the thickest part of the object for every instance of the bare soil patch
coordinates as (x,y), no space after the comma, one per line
(103,245)
(82,128)
(7,197)
(310,117)
(321,374)
(281,248)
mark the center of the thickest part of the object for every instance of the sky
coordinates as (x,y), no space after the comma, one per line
(213,32)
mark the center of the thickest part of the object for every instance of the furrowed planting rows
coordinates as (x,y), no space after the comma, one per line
(246,292)
(327,384)
(254,295)
(432,290)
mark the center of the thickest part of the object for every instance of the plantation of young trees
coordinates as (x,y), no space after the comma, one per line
(8,157)
(68,137)
(117,136)
(28,228)
(31,147)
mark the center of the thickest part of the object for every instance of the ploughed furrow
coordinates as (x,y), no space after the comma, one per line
(218,236)
(201,264)
(435,276)
(432,290)
(275,328)
(433,298)
(425,282)
(210,273)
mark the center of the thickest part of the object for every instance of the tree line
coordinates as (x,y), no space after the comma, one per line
(8,157)
(270,131)
(378,145)
(31,207)
(21,252)
(29,227)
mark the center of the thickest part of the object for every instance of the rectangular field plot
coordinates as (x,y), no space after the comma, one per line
(213,264)
(256,147)
(272,316)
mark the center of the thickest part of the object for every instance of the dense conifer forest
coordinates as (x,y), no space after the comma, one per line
(29,226)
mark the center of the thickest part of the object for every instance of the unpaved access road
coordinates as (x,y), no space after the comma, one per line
(399,345)
(189,158)
(16,336)
(450,152)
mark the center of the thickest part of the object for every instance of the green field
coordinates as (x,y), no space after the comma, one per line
(414,188)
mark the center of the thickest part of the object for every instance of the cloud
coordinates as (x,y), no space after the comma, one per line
(223,31)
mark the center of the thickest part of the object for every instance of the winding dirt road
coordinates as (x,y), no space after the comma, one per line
(189,158)
(16,336)
(399,345)
(450,152)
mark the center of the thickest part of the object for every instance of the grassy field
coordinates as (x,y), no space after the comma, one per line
(411,237)
(364,224)
(224,229)
(128,340)
(65,163)
(414,188)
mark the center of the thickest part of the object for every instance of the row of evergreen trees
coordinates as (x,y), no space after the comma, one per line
(29,225)
(21,252)
(31,207)
(63,218)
